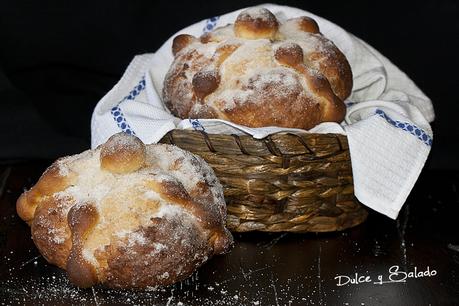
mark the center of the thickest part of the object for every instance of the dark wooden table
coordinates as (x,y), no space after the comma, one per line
(411,261)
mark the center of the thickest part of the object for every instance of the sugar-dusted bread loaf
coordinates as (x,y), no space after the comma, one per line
(127,215)
(259,72)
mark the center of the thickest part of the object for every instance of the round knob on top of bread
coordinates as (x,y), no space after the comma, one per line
(151,222)
(205,82)
(259,72)
(304,23)
(122,153)
(289,54)
(256,23)
(181,41)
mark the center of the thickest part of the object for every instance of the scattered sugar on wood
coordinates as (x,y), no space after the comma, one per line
(57,289)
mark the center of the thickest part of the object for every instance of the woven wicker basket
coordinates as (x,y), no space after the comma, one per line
(282,183)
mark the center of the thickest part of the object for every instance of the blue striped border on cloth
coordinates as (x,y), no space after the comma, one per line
(408,127)
(116,111)
(118,115)
(210,24)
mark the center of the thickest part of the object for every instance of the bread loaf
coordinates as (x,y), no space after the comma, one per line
(127,215)
(259,72)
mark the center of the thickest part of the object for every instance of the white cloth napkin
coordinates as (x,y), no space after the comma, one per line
(387,122)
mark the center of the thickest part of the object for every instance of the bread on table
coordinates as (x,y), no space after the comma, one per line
(259,72)
(127,215)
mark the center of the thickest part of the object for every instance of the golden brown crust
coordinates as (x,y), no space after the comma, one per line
(334,67)
(306,24)
(205,82)
(321,54)
(81,219)
(126,266)
(332,108)
(289,54)
(50,182)
(114,227)
(50,231)
(256,24)
(174,89)
(290,108)
(205,112)
(223,52)
(181,41)
(122,153)
(258,73)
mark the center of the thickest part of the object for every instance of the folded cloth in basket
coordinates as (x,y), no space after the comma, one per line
(387,121)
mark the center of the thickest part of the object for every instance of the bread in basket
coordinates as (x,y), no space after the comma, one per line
(260,72)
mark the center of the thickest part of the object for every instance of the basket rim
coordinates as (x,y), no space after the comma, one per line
(244,134)
(270,142)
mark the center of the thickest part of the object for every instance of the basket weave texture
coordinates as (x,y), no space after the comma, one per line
(283,183)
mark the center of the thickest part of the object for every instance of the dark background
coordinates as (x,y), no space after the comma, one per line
(59,58)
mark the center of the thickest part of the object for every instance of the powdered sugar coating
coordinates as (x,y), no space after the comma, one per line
(240,61)
(190,170)
(146,217)
(122,141)
(255,13)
